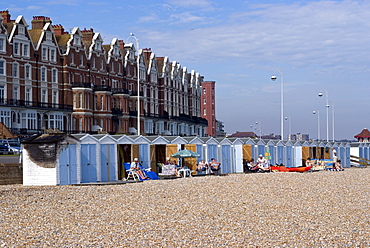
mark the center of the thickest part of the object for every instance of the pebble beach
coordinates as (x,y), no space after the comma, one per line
(312,209)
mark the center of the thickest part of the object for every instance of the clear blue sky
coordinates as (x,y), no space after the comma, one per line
(317,45)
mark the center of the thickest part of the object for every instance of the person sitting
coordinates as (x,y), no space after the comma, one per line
(262,163)
(177,167)
(338,166)
(202,166)
(136,167)
(251,166)
(168,161)
(215,166)
(309,162)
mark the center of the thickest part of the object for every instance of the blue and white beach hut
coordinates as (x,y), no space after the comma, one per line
(271,145)
(200,146)
(108,159)
(297,154)
(89,159)
(280,152)
(238,155)
(289,156)
(226,158)
(144,150)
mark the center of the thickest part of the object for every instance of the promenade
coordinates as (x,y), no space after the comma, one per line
(317,209)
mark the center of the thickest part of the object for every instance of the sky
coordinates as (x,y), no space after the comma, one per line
(311,46)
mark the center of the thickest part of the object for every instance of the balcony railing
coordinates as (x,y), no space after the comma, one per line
(117,111)
(31,104)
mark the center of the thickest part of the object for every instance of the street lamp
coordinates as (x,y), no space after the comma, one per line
(260,129)
(318,123)
(138,80)
(273,78)
(327,113)
(290,127)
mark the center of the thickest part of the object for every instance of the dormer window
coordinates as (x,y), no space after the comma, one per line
(21,30)
(98,46)
(115,51)
(77,41)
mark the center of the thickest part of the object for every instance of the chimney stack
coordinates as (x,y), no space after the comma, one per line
(39,22)
(6,16)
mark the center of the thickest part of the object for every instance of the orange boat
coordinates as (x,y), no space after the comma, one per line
(290,169)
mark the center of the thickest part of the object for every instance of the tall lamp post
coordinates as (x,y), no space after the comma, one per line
(138,80)
(273,78)
(327,113)
(260,129)
(290,127)
(318,123)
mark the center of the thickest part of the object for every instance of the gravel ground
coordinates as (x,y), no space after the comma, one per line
(320,209)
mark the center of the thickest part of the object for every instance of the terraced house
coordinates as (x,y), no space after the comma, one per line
(72,81)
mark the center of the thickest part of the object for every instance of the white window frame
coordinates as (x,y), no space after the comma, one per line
(43,72)
(3,68)
(2,44)
(27,71)
(16,48)
(54,75)
(15,70)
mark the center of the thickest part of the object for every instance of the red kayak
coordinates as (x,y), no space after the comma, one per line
(290,169)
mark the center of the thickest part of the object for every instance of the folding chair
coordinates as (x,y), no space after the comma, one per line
(130,172)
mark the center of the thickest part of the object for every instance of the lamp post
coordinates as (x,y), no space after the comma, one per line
(138,80)
(327,113)
(332,109)
(260,129)
(318,123)
(273,78)
(290,127)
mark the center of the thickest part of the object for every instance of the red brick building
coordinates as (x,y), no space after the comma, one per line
(208,106)
(72,81)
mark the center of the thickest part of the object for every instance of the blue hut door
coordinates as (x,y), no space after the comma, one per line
(289,156)
(280,155)
(107,163)
(68,165)
(212,152)
(226,163)
(144,155)
(88,163)
(200,152)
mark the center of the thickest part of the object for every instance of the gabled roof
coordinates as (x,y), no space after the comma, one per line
(243,135)
(365,133)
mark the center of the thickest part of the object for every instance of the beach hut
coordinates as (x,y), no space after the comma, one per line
(225,156)
(212,150)
(298,159)
(143,150)
(199,147)
(124,153)
(289,154)
(260,148)
(238,155)
(280,145)
(157,152)
(50,159)
(271,150)
(89,158)
(108,159)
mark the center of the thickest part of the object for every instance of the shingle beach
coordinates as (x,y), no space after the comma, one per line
(318,209)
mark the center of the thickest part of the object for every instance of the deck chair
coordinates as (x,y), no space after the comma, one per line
(130,172)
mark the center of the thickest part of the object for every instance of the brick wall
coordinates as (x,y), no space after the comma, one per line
(11,174)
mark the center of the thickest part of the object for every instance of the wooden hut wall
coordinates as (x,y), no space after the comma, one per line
(153,158)
(191,163)
(306,153)
(247,152)
(124,156)
(134,152)
(171,149)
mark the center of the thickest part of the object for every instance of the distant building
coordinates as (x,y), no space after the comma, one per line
(220,132)
(364,136)
(243,135)
(299,137)
(208,106)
